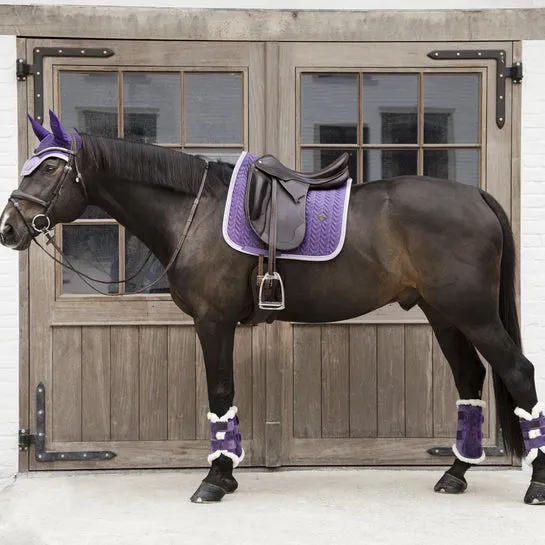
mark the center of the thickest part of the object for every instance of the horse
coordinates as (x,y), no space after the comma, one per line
(441,245)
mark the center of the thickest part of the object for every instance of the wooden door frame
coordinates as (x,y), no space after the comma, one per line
(136,310)
(273,144)
(496,168)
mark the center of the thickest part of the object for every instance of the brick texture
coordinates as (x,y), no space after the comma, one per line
(533,209)
(9,303)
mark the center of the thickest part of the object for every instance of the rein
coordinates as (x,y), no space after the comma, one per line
(34,229)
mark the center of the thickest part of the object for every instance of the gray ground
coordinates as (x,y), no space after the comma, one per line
(317,507)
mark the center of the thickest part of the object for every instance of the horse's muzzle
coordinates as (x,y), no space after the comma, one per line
(10,235)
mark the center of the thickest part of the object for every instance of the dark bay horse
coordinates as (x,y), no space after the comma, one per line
(442,245)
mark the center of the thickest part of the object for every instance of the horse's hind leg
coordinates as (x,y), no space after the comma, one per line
(217,341)
(469,374)
(477,318)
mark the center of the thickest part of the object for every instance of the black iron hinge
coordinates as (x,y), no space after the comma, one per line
(494,450)
(24,69)
(26,439)
(502,71)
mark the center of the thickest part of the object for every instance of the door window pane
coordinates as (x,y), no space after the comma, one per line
(213,108)
(151,107)
(390,109)
(387,163)
(92,250)
(217,154)
(461,165)
(89,102)
(329,108)
(136,253)
(452,113)
(316,159)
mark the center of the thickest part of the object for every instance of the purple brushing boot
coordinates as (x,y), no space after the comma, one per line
(225,438)
(532,426)
(225,445)
(469,438)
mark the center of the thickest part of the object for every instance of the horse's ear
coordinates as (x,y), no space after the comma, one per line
(39,131)
(58,130)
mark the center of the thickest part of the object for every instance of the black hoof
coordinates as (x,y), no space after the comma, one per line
(210,493)
(449,484)
(535,494)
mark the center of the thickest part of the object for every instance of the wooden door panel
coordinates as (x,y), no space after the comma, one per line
(419,382)
(307,381)
(66,395)
(363,381)
(391,381)
(126,373)
(386,393)
(124,385)
(335,381)
(95,384)
(153,356)
(182,344)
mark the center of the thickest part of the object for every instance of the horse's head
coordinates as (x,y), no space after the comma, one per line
(51,190)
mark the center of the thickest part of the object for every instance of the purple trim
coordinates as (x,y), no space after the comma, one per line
(469,437)
(232,441)
(537,426)
(326,213)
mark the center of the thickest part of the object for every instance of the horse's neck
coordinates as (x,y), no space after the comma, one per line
(152,214)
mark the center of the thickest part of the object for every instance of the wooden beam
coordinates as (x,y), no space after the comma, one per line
(266,25)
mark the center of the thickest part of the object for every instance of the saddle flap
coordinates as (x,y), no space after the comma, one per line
(290,210)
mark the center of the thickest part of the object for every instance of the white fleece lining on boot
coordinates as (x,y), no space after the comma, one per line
(468,460)
(473,403)
(217,453)
(525,415)
(231,413)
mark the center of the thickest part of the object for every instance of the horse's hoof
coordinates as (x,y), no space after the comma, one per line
(208,493)
(535,494)
(449,484)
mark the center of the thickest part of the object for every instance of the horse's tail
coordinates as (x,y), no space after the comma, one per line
(505,405)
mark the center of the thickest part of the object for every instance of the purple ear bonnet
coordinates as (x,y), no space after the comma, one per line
(58,138)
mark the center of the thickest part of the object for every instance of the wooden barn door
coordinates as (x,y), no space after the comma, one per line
(376,390)
(125,373)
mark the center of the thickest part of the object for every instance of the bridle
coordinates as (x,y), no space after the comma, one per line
(16,195)
(34,229)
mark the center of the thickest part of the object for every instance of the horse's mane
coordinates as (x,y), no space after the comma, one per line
(148,164)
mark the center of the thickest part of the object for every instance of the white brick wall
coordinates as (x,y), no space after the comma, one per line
(533,208)
(9,281)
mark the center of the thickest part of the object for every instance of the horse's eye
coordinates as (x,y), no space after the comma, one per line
(50,168)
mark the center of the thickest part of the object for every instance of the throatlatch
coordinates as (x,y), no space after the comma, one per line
(225,438)
(533,430)
(469,438)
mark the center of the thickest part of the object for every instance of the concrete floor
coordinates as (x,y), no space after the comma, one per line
(364,507)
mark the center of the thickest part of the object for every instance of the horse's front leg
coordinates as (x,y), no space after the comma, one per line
(217,341)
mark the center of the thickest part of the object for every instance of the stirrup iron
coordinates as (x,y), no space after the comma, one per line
(272,305)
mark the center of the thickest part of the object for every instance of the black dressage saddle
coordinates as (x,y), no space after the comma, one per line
(275,201)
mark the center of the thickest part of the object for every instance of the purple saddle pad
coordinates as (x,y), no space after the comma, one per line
(326,213)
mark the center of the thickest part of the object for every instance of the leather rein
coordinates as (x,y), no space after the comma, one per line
(35,229)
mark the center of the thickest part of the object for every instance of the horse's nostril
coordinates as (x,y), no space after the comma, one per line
(7,229)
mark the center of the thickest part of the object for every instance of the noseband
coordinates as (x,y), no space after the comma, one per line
(34,228)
